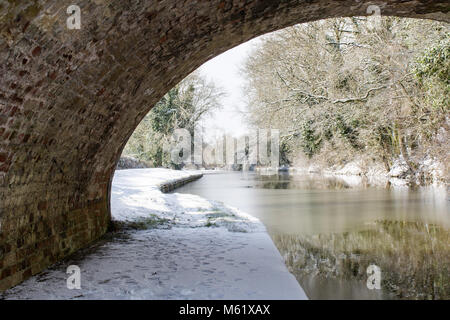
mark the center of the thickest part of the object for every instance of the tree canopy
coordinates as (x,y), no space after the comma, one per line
(348,88)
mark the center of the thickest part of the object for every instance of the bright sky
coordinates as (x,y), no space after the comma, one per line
(225,71)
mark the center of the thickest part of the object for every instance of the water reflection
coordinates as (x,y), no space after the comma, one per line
(329,230)
(414,258)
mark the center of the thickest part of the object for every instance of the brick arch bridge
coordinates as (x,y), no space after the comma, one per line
(69,100)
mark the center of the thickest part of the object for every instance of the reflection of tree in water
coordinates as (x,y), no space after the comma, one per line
(414,257)
(277,185)
(308,182)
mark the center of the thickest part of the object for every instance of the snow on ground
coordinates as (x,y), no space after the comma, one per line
(190,248)
(136,195)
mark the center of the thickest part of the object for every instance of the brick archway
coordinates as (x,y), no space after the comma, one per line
(69,100)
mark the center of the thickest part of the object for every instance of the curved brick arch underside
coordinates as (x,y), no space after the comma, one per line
(69,100)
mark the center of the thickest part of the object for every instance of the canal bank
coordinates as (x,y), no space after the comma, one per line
(178,246)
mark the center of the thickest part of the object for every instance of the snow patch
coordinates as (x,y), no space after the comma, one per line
(353,168)
(136,195)
(433,170)
(399,169)
(203,250)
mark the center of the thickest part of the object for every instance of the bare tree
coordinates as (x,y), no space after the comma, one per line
(345,88)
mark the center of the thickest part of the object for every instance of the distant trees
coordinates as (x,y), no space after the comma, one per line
(341,89)
(182,107)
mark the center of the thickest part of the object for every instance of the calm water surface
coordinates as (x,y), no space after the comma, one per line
(329,230)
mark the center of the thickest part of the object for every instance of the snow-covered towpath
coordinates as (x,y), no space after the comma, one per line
(185,247)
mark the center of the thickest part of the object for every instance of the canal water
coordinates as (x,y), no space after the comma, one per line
(330,231)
